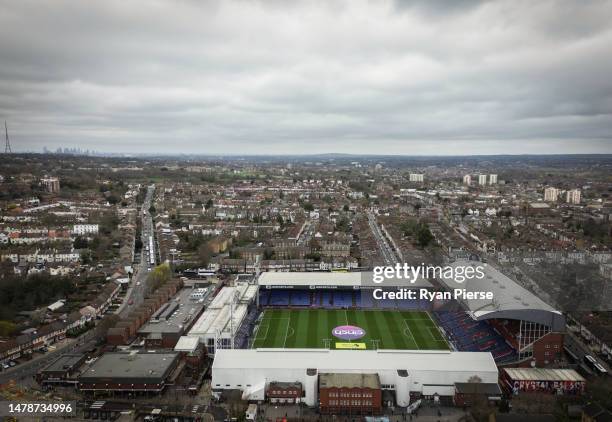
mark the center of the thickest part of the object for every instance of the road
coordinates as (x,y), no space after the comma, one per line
(578,350)
(28,369)
(136,291)
(386,250)
(307,234)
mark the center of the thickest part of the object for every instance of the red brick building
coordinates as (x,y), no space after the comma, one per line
(354,394)
(284,392)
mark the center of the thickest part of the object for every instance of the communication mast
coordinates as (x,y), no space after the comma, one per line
(7,146)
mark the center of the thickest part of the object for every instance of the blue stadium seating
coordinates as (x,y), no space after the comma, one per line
(343,299)
(242,334)
(327,299)
(366,299)
(477,336)
(264,297)
(279,298)
(300,298)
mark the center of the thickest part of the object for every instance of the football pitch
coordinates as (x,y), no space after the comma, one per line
(312,328)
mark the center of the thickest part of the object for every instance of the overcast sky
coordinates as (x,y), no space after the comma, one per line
(389,77)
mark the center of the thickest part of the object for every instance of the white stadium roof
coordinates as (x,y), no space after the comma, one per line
(510,300)
(362,360)
(218,315)
(321,279)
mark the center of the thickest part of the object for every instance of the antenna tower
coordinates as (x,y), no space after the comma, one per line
(7,147)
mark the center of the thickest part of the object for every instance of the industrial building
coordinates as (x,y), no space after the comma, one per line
(172,320)
(62,371)
(129,372)
(405,373)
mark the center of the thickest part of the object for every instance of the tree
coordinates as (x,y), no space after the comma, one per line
(80,242)
(209,204)
(343,225)
(7,328)
(308,207)
(424,236)
(108,322)
(158,276)
(86,257)
(236,406)
(345,208)
(600,390)
(268,254)
(204,254)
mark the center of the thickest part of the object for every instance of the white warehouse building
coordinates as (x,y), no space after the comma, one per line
(404,372)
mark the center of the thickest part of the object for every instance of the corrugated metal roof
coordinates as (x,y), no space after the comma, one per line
(543,374)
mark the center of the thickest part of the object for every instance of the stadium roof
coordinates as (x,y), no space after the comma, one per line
(510,300)
(326,360)
(218,315)
(323,280)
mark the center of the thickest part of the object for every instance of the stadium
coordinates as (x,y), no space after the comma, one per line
(311,320)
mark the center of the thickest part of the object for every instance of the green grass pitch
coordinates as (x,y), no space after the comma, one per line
(307,328)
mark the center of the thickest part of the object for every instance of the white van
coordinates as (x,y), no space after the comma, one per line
(251,412)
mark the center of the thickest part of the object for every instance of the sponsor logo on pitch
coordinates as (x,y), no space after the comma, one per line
(348,332)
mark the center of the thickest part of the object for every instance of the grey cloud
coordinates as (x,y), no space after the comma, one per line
(277,77)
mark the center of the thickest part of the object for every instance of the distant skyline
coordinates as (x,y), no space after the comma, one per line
(430,77)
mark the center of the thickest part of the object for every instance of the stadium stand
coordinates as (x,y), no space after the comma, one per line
(279,298)
(343,299)
(475,336)
(299,298)
(264,297)
(241,337)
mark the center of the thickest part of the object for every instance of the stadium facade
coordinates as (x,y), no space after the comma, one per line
(406,373)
